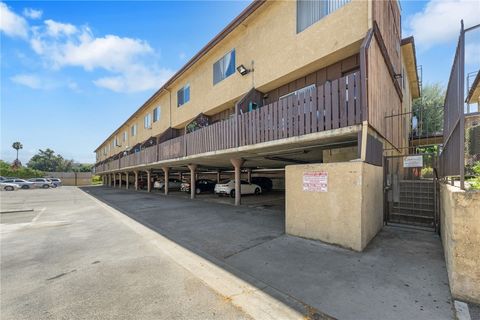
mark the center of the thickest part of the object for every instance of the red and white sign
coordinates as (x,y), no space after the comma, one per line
(315,181)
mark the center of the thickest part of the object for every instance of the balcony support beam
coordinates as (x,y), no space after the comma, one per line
(167,177)
(237,164)
(219,176)
(135,183)
(127,182)
(249,175)
(120,180)
(193,176)
(114,180)
(149,182)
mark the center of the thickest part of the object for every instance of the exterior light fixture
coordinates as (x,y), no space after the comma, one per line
(242,70)
(398,76)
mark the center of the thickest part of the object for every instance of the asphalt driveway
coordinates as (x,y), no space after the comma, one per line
(401,274)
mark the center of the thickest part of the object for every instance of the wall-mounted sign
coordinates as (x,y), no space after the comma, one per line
(413,161)
(315,181)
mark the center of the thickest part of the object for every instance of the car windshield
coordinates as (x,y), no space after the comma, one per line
(225,181)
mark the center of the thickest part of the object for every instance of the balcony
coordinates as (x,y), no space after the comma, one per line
(335,104)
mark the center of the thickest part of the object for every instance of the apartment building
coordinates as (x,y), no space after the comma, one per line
(286,82)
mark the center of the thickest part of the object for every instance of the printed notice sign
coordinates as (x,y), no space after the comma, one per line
(315,181)
(413,161)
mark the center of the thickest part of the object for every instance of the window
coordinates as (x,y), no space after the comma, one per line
(311,11)
(133,130)
(224,67)
(156,114)
(298,92)
(183,95)
(114,143)
(125,136)
(147,121)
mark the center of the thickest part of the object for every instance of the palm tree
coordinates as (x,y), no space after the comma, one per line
(17,146)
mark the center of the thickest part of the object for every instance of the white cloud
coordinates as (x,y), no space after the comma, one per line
(131,61)
(32,13)
(56,29)
(12,24)
(43,82)
(29,80)
(439,22)
(135,78)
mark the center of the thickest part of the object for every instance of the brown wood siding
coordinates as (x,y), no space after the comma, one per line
(319,77)
(387,16)
(383,99)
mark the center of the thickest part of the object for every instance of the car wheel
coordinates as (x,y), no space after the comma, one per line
(232,193)
(8,188)
(257,191)
(197,191)
(25,187)
(45,186)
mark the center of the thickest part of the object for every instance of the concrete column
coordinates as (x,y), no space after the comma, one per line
(109,179)
(120,180)
(136,180)
(127,176)
(219,176)
(166,171)
(193,180)
(114,180)
(249,175)
(149,183)
(237,164)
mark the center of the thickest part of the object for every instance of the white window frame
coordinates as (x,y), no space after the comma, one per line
(147,121)
(189,95)
(159,114)
(133,130)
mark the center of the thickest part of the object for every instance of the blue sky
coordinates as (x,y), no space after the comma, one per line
(72,72)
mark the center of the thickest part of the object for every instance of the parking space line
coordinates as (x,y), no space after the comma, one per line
(38,215)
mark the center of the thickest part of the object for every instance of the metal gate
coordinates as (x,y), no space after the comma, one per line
(411,190)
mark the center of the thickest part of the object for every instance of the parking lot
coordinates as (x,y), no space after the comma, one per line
(64,256)
(401,274)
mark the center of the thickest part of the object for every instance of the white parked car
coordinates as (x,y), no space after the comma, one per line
(228,188)
(172,184)
(8,186)
(41,183)
(23,184)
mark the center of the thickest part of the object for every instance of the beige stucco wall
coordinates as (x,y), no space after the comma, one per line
(340,154)
(269,38)
(349,214)
(460,228)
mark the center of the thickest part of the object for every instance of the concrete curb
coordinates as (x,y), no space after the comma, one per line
(251,299)
(461,310)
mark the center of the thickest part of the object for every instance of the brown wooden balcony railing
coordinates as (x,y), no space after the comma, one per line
(336,104)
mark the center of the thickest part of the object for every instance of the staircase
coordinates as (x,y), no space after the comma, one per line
(416,205)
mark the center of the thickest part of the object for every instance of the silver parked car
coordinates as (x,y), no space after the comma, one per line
(24,184)
(56,182)
(8,186)
(41,183)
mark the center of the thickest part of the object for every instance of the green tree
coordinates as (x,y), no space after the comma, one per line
(7,170)
(428,109)
(48,161)
(17,146)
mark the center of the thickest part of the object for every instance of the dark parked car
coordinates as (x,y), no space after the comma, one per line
(202,185)
(265,183)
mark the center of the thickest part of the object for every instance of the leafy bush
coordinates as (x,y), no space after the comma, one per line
(21,172)
(96,179)
(427,172)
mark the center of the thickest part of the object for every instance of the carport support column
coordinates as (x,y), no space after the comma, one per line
(114,180)
(126,178)
(149,183)
(120,180)
(135,173)
(237,164)
(193,179)
(219,174)
(249,175)
(166,171)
